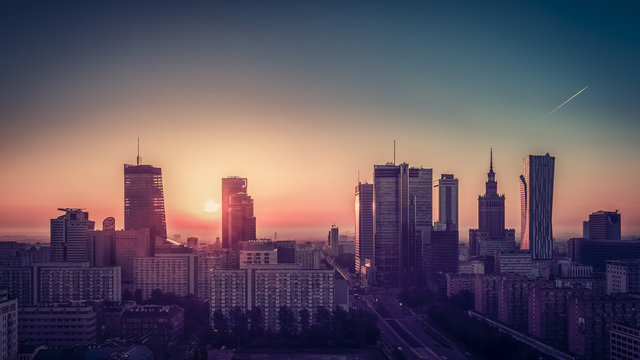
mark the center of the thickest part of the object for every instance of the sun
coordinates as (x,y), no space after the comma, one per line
(211,206)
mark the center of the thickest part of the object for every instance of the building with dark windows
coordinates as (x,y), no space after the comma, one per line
(364,224)
(169,272)
(602,225)
(241,221)
(144,201)
(8,326)
(623,342)
(230,185)
(403,222)
(448,202)
(162,325)
(69,236)
(442,258)
(491,235)
(536,199)
(596,252)
(61,324)
(623,276)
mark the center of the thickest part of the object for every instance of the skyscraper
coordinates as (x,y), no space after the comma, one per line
(333,240)
(144,201)
(448,202)
(364,224)
(604,225)
(69,236)
(403,220)
(241,221)
(536,198)
(230,185)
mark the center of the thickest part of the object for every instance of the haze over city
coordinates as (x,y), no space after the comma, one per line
(300,97)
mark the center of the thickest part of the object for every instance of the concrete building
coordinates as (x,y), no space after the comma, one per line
(69,236)
(623,342)
(164,325)
(308,257)
(333,240)
(144,201)
(258,253)
(19,283)
(513,300)
(364,224)
(442,256)
(460,282)
(269,287)
(241,219)
(623,276)
(603,225)
(590,319)
(471,267)
(62,324)
(8,326)
(570,270)
(169,272)
(548,313)
(536,198)
(513,262)
(64,282)
(128,245)
(486,295)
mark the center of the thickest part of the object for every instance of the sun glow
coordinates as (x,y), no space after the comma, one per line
(211,206)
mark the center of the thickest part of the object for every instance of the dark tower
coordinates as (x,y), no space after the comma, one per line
(230,185)
(491,207)
(144,201)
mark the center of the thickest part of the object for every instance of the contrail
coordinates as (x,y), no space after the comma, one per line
(566,101)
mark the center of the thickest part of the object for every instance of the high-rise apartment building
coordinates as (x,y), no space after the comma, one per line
(8,326)
(536,198)
(603,225)
(623,342)
(144,201)
(69,236)
(448,202)
(623,276)
(64,282)
(230,185)
(403,221)
(364,224)
(169,272)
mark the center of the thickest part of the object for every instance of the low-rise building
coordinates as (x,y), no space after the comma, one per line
(63,324)
(623,276)
(459,282)
(512,262)
(162,325)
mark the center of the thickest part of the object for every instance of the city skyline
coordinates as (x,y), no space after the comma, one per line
(446,83)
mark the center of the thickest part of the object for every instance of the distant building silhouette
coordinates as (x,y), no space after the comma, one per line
(144,201)
(403,222)
(364,224)
(241,220)
(448,202)
(230,185)
(536,197)
(603,225)
(596,252)
(69,236)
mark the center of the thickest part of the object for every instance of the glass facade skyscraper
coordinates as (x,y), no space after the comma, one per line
(144,202)
(536,198)
(230,185)
(364,224)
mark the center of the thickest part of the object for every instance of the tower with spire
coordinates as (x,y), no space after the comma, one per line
(491,224)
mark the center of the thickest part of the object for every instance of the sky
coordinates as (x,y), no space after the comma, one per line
(300,97)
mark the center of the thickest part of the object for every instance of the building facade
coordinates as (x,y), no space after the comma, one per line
(62,324)
(623,276)
(364,225)
(623,342)
(164,325)
(604,225)
(144,201)
(448,202)
(536,198)
(8,326)
(69,236)
(230,185)
(175,273)
(64,282)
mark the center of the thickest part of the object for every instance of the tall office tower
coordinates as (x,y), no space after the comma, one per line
(603,225)
(333,240)
(536,198)
(240,221)
(230,185)
(491,207)
(448,202)
(403,220)
(364,224)
(144,201)
(69,236)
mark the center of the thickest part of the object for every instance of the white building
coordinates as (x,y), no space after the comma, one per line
(513,262)
(623,276)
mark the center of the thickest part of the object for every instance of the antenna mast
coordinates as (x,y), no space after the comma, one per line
(394,152)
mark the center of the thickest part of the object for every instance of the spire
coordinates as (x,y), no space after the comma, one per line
(491,160)
(138,159)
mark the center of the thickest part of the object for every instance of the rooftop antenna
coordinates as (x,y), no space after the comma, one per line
(138,159)
(358,176)
(394,152)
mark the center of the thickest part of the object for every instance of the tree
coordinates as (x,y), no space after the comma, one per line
(239,325)
(256,325)
(287,322)
(463,300)
(305,319)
